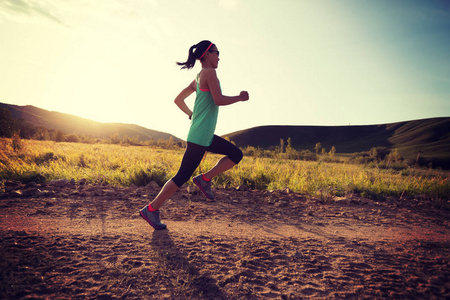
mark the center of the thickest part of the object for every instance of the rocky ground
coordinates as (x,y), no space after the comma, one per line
(71,240)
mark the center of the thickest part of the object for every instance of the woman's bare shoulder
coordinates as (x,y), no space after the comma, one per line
(207,72)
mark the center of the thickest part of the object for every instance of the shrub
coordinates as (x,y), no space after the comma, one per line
(72,138)
(262,181)
(140,178)
(16,142)
(33,176)
(379,153)
(307,155)
(82,163)
(143,177)
(44,158)
(58,136)
(159,175)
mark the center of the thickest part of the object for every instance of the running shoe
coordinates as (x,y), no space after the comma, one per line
(204,186)
(152,218)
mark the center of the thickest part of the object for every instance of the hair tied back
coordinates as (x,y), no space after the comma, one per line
(195,52)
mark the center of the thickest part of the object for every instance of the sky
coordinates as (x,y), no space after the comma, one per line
(303,62)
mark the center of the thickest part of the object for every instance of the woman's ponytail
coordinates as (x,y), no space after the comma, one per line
(198,53)
(189,64)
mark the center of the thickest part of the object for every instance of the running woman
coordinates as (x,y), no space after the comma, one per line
(201,137)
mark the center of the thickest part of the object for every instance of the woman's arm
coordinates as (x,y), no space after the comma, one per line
(210,77)
(179,100)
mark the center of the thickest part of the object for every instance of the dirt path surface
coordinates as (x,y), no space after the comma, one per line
(72,241)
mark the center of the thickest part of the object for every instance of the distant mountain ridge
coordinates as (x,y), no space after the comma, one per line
(71,124)
(429,137)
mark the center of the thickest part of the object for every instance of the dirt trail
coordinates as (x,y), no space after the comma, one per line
(88,242)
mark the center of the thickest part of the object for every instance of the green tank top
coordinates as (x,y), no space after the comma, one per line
(204,118)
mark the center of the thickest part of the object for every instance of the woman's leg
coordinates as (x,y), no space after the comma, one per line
(191,159)
(222,165)
(167,191)
(232,158)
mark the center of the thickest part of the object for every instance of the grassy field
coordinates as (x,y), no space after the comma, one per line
(40,161)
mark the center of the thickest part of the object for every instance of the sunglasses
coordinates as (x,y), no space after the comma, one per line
(215,51)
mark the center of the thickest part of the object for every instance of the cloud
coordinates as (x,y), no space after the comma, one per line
(110,16)
(28,8)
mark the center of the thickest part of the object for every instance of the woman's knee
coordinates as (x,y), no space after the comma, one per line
(236,156)
(179,180)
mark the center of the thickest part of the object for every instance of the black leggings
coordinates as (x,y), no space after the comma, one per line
(194,154)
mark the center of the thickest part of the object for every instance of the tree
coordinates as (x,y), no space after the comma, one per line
(282,146)
(318,148)
(59,136)
(115,138)
(7,123)
(332,152)
(41,134)
(72,138)
(394,157)
(289,145)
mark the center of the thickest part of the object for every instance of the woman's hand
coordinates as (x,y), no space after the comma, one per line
(244,96)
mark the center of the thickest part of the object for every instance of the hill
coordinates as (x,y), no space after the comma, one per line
(37,117)
(430,137)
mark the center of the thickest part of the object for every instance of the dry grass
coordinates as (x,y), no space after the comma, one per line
(39,161)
